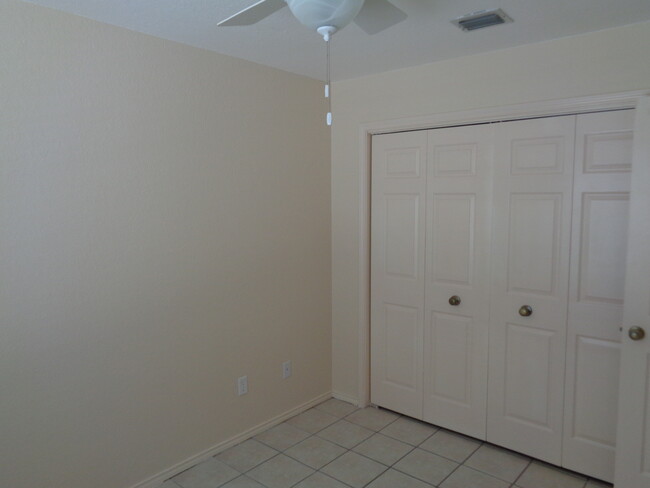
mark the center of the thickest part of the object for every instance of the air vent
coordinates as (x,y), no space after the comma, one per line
(481,19)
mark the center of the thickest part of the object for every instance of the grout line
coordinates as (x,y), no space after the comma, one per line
(413,476)
(380,474)
(410,451)
(333,478)
(310,467)
(530,462)
(392,466)
(269,459)
(453,471)
(379,462)
(450,459)
(280,454)
(216,456)
(510,483)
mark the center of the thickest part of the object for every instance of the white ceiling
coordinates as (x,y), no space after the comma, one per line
(426,36)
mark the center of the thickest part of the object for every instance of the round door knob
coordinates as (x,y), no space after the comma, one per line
(454,301)
(526,311)
(636,333)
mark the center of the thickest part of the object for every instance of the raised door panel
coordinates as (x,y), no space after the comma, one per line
(457,264)
(532,218)
(596,290)
(528,375)
(450,359)
(533,244)
(596,368)
(603,245)
(397,270)
(452,252)
(400,341)
(402,222)
(644,470)
(606,149)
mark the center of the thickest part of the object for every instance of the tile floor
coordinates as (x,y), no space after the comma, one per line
(335,445)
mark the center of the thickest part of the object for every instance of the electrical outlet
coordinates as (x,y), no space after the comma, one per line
(286,369)
(242,385)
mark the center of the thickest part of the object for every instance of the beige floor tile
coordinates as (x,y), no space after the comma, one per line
(282,436)
(315,452)
(465,477)
(598,484)
(453,446)
(242,482)
(319,480)
(383,449)
(345,434)
(208,474)
(372,418)
(395,479)
(280,472)
(500,463)
(336,407)
(312,420)
(354,469)
(409,430)
(539,475)
(246,455)
(426,466)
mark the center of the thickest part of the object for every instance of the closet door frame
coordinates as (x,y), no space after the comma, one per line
(571,106)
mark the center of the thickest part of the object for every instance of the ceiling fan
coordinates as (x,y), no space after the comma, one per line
(325,16)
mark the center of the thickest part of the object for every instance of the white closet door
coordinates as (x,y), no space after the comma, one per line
(532,230)
(397,270)
(598,248)
(633,436)
(457,265)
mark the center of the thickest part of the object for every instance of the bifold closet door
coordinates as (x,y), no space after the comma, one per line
(459,187)
(397,270)
(530,276)
(598,251)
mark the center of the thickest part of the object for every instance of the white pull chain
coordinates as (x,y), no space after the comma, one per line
(327,31)
(328,95)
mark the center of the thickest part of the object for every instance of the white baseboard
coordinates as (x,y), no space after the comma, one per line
(345,398)
(156,480)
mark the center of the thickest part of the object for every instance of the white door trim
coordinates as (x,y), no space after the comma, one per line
(578,105)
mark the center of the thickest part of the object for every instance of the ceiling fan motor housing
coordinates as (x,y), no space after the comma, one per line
(319,13)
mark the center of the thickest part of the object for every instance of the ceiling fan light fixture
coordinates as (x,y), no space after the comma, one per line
(325,17)
(319,13)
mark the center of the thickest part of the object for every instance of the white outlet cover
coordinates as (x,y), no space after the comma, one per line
(286,369)
(242,385)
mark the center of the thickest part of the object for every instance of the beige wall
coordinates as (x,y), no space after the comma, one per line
(164,229)
(609,61)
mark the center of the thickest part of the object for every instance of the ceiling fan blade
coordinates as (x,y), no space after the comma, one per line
(378,15)
(253,14)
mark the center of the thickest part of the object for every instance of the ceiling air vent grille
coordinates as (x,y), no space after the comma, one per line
(481,19)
